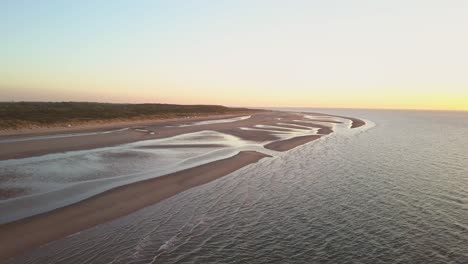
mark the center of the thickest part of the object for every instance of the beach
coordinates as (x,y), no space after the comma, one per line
(221,145)
(109,205)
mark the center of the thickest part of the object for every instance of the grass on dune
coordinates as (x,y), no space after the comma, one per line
(20,114)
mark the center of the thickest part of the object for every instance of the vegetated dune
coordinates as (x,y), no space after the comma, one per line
(14,115)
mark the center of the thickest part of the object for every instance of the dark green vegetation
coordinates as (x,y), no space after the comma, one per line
(25,114)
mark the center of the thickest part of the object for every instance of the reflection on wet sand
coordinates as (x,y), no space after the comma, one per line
(36,179)
(41,183)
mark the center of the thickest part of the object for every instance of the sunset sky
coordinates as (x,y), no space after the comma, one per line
(348,53)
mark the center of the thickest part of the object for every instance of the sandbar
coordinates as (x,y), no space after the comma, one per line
(25,234)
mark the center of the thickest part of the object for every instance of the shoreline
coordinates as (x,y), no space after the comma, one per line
(355,122)
(123,133)
(274,131)
(112,204)
(288,144)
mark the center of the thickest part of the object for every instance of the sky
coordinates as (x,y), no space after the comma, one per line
(403,54)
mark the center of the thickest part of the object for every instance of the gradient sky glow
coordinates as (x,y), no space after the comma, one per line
(338,53)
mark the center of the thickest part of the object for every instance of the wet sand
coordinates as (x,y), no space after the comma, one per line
(355,122)
(112,204)
(284,145)
(122,133)
(262,127)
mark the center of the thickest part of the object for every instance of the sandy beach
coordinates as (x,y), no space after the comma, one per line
(112,204)
(120,133)
(275,131)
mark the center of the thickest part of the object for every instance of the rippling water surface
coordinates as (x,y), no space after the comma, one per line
(393,192)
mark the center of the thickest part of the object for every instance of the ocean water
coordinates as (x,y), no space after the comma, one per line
(394,191)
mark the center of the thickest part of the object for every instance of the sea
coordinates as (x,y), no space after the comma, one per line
(393,191)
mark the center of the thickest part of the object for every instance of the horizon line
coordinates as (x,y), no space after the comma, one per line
(256,107)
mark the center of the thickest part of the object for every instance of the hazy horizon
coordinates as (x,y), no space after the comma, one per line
(336,54)
(267,107)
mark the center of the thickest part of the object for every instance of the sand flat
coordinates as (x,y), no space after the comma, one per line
(256,131)
(109,205)
(287,144)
